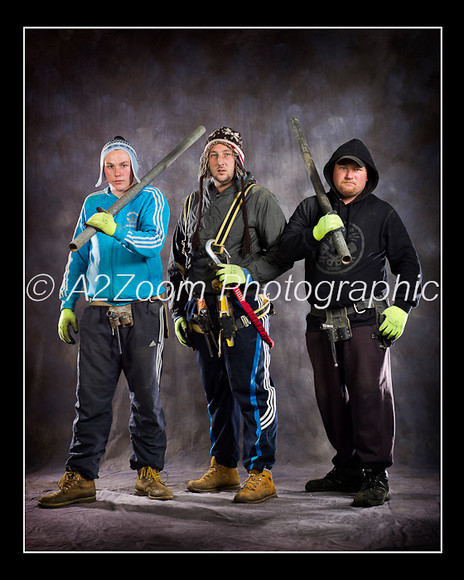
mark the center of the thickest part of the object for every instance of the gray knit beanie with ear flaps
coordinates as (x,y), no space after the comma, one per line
(118,143)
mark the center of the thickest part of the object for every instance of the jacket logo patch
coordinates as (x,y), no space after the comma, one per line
(327,259)
(131,218)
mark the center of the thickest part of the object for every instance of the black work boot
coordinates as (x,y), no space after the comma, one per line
(349,479)
(375,489)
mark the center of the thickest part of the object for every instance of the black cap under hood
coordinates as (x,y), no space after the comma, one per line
(355,148)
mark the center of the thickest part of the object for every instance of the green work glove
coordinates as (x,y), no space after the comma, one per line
(394,322)
(231,274)
(103,222)
(180,328)
(327,223)
(67,317)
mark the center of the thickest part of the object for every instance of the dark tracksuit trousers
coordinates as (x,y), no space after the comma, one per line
(99,367)
(238,385)
(355,399)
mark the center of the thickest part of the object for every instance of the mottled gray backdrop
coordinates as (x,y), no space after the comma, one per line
(155,86)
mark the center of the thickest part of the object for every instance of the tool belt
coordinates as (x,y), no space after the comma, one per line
(121,316)
(242,321)
(199,320)
(337,324)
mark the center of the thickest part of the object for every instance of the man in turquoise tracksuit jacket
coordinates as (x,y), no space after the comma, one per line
(120,273)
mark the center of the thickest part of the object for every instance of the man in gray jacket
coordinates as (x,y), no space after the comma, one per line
(233,358)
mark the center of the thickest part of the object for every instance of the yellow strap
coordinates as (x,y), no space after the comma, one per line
(230,218)
(226,224)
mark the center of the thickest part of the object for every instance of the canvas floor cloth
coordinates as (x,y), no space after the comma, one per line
(296,521)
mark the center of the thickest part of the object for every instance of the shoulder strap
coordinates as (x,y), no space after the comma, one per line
(187,205)
(230,218)
(226,224)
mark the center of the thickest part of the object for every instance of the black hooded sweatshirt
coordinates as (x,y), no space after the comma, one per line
(374,233)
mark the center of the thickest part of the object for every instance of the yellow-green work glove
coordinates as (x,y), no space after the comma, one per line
(327,223)
(67,317)
(394,322)
(231,274)
(103,222)
(180,328)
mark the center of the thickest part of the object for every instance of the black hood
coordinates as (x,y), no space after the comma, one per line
(358,149)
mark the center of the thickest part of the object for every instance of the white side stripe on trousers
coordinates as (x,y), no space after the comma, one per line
(269,416)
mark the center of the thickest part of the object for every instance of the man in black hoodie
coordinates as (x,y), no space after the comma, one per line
(350,325)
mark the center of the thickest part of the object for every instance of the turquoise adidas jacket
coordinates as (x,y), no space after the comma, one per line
(126,266)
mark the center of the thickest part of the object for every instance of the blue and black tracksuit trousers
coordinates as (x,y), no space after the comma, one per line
(99,366)
(238,385)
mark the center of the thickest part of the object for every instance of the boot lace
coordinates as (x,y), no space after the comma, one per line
(69,479)
(150,473)
(253,481)
(210,471)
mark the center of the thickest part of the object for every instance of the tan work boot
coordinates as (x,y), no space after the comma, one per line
(74,488)
(257,488)
(217,478)
(149,483)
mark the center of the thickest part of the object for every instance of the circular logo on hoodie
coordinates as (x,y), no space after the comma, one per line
(327,259)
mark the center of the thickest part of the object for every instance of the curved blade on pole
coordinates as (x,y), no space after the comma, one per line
(85,236)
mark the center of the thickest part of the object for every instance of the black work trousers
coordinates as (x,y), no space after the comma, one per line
(355,399)
(99,367)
